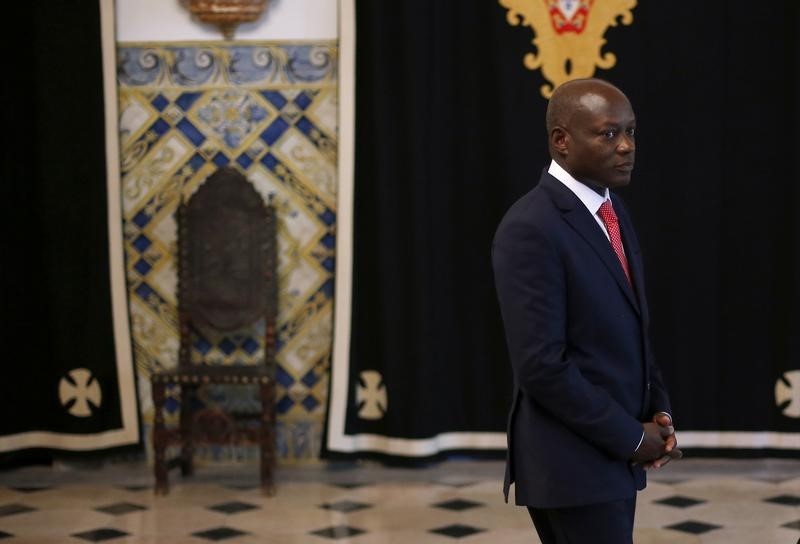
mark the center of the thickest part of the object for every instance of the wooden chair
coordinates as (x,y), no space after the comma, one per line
(226,281)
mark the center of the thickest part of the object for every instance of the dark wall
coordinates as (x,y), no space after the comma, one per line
(55,290)
(450,131)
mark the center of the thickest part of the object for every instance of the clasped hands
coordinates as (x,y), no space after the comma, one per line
(659,444)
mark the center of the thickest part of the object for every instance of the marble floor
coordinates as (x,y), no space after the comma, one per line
(692,501)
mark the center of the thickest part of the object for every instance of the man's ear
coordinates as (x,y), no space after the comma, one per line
(559,140)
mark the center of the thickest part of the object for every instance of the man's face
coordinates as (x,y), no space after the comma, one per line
(600,146)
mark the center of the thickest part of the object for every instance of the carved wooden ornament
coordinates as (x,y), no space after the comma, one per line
(226,14)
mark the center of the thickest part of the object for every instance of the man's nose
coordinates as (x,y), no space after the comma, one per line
(626,144)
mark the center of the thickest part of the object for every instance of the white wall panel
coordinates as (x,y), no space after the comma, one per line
(168,20)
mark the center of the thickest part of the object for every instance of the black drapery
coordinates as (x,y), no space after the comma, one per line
(450,131)
(56,296)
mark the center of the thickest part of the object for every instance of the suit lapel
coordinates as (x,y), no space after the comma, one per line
(631,251)
(579,218)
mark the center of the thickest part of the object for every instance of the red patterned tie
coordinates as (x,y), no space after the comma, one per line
(606,213)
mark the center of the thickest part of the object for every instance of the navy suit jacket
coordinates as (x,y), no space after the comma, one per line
(584,374)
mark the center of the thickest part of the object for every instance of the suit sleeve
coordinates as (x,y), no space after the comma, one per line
(531,288)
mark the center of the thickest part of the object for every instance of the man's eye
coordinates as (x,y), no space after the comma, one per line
(612,133)
(631,132)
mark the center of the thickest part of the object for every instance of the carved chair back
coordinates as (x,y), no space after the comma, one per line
(227,261)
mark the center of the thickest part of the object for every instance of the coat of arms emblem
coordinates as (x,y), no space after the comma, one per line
(568,35)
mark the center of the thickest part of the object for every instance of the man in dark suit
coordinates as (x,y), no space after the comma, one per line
(590,409)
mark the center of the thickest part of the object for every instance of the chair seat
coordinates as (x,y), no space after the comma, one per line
(207,374)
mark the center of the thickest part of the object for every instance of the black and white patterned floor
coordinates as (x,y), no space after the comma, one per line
(694,501)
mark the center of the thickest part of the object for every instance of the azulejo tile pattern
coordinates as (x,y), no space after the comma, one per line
(269,109)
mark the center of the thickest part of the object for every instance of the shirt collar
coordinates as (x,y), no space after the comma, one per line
(587,195)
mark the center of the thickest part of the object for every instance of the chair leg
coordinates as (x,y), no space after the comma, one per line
(160,440)
(187,432)
(267,438)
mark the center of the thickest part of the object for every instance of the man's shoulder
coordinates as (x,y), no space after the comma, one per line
(534,211)
(533,206)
